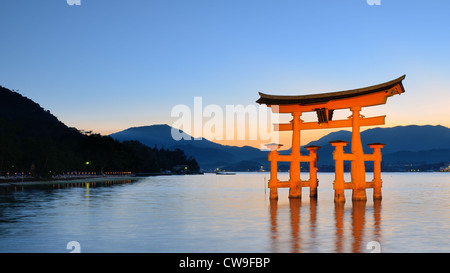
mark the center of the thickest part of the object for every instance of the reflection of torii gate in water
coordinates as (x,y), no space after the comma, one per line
(324,104)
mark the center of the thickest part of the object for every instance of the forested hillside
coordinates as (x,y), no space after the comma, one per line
(35,142)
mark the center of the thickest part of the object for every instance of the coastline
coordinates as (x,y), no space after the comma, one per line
(66,178)
(18,180)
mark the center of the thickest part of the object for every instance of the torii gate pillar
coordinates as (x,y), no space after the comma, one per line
(295,189)
(358,171)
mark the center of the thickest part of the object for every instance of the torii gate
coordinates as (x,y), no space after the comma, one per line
(324,104)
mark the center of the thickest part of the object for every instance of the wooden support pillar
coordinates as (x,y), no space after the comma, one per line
(357,164)
(273,159)
(273,175)
(376,169)
(338,156)
(312,170)
(295,189)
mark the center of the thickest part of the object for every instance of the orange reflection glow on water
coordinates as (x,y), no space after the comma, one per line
(357,225)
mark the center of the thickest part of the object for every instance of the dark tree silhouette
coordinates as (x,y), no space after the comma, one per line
(35,142)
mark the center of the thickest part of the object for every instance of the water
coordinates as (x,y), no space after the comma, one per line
(228,213)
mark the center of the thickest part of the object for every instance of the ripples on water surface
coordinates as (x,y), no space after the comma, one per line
(228,213)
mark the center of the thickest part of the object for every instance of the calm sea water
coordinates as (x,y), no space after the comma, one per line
(228,213)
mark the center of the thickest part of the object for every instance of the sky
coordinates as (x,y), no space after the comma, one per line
(107,65)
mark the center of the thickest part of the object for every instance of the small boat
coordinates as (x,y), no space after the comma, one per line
(225,173)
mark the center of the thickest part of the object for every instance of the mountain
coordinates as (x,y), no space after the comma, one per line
(35,142)
(426,157)
(209,155)
(32,139)
(411,144)
(400,138)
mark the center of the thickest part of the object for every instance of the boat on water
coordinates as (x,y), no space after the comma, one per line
(225,173)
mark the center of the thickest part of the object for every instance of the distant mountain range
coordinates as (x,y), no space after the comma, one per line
(404,144)
(209,155)
(406,147)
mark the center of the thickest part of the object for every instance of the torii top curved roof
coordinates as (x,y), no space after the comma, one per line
(326,97)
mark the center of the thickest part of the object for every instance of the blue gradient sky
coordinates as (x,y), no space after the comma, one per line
(112,64)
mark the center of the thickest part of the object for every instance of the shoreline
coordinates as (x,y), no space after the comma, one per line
(4,181)
(20,180)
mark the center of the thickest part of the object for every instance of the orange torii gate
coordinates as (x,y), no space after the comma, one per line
(324,104)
